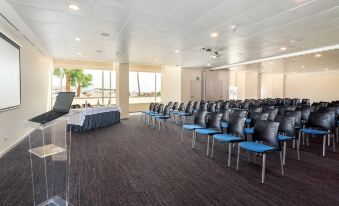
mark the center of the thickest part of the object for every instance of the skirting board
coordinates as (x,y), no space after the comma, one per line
(2,153)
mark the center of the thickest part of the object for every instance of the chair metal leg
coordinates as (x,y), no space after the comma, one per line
(284,153)
(208,145)
(263,168)
(238,156)
(193,140)
(333,144)
(229,154)
(324,146)
(308,140)
(281,164)
(182,135)
(329,140)
(212,147)
(159,124)
(303,136)
(298,147)
(293,146)
(254,157)
(248,156)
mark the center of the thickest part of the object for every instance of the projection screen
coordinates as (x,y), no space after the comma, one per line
(10,94)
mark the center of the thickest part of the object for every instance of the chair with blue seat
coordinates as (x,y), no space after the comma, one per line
(152,111)
(162,117)
(235,134)
(225,118)
(271,113)
(196,106)
(175,113)
(255,116)
(264,131)
(211,107)
(159,111)
(203,106)
(213,127)
(225,106)
(218,106)
(319,124)
(287,132)
(143,113)
(175,107)
(199,122)
(187,113)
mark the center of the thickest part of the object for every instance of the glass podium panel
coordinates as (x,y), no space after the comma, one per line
(49,150)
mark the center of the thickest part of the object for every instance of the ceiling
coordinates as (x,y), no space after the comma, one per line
(149,31)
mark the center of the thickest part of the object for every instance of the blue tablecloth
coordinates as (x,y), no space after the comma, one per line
(97,121)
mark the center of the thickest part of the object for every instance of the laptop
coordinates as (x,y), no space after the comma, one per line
(61,107)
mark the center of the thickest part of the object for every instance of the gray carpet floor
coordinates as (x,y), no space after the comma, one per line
(133,164)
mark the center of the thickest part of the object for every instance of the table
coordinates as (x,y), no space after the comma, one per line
(86,119)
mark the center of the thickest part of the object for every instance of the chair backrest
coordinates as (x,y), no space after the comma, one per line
(236,126)
(156,106)
(238,103)
(196,106)
(225,105)
(175,106)
(218,106)
(268,132)
(170,105)
(238,113)
(305,113)
(245,104)
(166,111)
(160,109)
(271,113)
(150,108)
(255,116)
(189,108)
(211,107)
(214,121)
(226,115)
(305,101)
(286,125)
(203,106)
(321,120)
(296,115)
(200,118)
(181,107)
(331,111)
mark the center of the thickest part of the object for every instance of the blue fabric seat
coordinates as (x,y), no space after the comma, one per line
(149,112)
(314,131)
(285,138)
(207,131)
(192,126)
(227,138)
(224,124)
(162,117)
(256,147)
(249,130)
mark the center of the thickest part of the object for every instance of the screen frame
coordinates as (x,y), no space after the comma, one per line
(10,41)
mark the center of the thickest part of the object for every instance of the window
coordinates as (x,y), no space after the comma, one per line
(93,86)
(144,88)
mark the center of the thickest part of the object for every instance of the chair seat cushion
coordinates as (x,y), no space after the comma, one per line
(192,126)
(255,147)
(224,124)
(153,114)
(175,112)
(184,114)
(249,130)
(285,138)
(227,138)
(207,131)
(149,112)
(314,131)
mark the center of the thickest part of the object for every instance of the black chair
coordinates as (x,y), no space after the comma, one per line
(264,131)
(287,133)
(225,118)
(213,127)
(211,107)
(225,106)
(297,116)
(181,108)
(235,133)
(319,124)
(199,122)
(238,113)
(150,110)
(196,106)
(187,113)
(175,106)
(203,106)
(162,117)
(271,113)
(218,106)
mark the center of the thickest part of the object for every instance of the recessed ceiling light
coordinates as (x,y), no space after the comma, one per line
(318,55)
(294,72)
(213,35)
(176,51)
(209,64)
(73,7)
(77,39)
(302,66)
(105,34)
(283,48)
(79,53)
(326,69)
(294,41)
(234,27)
(156,60)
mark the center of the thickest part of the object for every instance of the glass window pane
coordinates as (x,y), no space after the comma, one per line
(158,87)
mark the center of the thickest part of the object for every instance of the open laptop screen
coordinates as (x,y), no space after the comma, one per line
(63,101)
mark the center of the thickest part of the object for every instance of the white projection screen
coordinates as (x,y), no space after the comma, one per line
(10,89)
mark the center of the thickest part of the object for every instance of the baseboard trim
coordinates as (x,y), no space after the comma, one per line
(2,153)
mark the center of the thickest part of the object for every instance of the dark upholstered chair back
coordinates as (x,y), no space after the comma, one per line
(211,107)
(296,115)
(214,121)
(236,126)
(268,132)
(203,106)
(286,125)
(226,115)
(200,118)
(321,120)
(175,106)
(182,107)
(238,113)
(257,116)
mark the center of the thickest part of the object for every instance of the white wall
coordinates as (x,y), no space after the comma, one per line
(188,74)
(314,86)
(122,72)
(35,91)
(171,84)
(272,85)
(251,85)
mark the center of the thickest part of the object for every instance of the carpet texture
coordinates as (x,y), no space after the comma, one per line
(133,164)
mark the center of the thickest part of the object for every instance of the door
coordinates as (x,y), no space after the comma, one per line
(195,90)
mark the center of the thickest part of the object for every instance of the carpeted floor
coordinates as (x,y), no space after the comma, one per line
(132,164)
